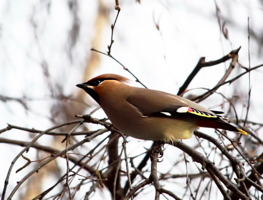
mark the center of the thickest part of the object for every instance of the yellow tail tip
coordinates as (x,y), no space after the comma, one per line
(242,132)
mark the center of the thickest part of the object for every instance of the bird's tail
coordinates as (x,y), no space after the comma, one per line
(242,131)
(221,124)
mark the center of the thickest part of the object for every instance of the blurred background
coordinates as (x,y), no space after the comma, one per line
(45,51)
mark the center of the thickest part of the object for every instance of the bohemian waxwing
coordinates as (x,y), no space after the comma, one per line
(150,114)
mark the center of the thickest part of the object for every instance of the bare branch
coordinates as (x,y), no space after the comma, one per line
(201,64)
(207,164)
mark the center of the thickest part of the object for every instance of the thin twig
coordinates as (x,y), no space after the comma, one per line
(234,57)
(249,74)
(27,148)
(207,164)
(32,130)
(141,165)
(112,29)
(202,63)
(205,95)
(219,185)
(126,162)
(59,154)
(136,188)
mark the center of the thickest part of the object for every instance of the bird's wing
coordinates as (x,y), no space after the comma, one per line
(157,103)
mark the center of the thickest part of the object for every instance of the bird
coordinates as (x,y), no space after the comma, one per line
(151,114)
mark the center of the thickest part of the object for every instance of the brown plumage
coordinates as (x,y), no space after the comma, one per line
(150,114)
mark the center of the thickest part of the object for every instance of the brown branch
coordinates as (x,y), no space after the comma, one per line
(244,156)
(219,185)
(162,190)
(123,66)
(207,164)
(82,165)
(139,168)
(202,63)
(249,75)
(205,95)
(223,150)
(222,80)
(153,175)
(136,188)
(236,165)
(113,177)
(191,176)
(53,152)
(32,130)
(117,7)
(156,151)
(26,149)
(48,149)
(252,178)
(59,154)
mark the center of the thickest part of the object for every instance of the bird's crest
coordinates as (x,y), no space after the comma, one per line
(111,77)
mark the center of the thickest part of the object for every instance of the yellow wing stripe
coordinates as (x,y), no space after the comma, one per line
(202,114)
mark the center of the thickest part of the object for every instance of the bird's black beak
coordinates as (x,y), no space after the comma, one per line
(82,85)
(89,89)
(85,87)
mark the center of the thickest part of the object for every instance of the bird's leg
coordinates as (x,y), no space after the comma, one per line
(158,148)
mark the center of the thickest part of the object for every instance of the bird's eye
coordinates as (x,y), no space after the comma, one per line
(95,82)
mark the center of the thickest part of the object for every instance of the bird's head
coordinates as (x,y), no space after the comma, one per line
(104,81)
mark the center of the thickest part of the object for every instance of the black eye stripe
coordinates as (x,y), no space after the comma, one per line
(96,82)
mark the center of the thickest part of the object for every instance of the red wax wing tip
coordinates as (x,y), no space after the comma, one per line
(190,109)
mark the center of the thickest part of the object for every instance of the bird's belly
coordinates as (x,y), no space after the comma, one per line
(156,128)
